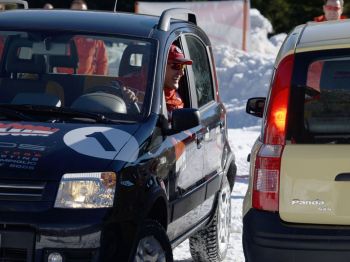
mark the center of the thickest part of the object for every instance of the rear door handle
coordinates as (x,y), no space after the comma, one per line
(342,177)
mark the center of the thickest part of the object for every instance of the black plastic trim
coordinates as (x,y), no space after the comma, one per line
(267,238)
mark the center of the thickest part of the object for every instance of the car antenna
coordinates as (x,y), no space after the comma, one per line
(115,6)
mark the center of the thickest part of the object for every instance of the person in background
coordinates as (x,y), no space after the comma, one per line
(92,53)
(78,5)
(2,7)
(332,10)
(48,6)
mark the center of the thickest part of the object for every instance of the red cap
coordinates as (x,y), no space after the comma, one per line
(176,56)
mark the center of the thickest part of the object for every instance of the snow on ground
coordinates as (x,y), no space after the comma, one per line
(242,75)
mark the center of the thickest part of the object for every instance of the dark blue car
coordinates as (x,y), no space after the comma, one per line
(86,174)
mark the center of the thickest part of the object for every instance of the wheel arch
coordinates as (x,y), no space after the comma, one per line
(157,206)
(158,212)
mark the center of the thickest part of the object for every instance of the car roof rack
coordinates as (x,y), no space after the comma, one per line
(20,2)
(164,21)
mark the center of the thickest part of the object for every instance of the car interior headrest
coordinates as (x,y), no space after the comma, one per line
(126,67)
(69,61)
(16,64)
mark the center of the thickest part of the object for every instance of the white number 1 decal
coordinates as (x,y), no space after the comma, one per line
(102,142)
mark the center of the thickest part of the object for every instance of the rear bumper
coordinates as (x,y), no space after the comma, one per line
(267,238)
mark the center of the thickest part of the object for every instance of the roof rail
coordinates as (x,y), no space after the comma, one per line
(164,21)
(20,2)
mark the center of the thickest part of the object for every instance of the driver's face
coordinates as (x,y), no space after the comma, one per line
(173,75)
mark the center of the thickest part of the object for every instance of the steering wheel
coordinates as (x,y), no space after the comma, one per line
(116,88)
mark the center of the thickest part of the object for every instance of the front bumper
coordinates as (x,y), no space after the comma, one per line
(24,244)
(75,234)
(267,238)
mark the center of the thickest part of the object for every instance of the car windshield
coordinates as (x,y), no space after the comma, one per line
(59,74)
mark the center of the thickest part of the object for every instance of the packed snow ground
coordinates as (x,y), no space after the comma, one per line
(242,75)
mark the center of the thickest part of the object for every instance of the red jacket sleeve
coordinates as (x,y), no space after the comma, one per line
(102,59)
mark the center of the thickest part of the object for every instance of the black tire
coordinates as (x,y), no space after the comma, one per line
(152,244)
(207,245)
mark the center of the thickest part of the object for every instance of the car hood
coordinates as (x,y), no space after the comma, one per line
(45,151)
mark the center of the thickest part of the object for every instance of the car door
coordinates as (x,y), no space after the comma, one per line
(211,110)
(207,139)
(187,184)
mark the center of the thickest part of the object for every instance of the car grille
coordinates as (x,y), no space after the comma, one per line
(24,191)
(13,255)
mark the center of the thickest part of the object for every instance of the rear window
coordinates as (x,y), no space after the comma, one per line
(320,99)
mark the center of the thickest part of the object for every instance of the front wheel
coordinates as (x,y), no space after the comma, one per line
(211,243)
(152,244)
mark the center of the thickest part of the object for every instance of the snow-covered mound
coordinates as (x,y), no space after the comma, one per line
(247,74)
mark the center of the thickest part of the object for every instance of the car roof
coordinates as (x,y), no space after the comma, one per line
(324,35)
(83,21)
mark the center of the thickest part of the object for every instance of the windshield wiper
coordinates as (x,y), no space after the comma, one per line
(54,111)
(13,113)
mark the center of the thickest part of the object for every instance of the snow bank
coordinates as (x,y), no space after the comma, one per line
(247,74)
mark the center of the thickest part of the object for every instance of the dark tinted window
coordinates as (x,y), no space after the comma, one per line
(321,101)
(201,69)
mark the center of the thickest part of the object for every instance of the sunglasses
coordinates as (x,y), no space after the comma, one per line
(178,66)
(332,8)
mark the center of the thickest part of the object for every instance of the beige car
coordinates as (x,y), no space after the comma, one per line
(297,207)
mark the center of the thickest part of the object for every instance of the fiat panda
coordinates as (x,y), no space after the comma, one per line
(295,208)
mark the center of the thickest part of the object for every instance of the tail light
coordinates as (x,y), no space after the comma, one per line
(268,158)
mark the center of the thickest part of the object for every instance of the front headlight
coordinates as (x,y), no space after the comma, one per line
(86,190)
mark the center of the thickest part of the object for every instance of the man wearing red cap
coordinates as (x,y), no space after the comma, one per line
(174,71)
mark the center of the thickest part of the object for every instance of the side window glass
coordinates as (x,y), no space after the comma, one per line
(201,70)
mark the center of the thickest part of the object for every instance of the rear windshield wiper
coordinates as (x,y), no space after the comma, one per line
(55,111)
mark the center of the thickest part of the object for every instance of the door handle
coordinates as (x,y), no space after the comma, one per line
(199,139)
(342,177)
(222,126)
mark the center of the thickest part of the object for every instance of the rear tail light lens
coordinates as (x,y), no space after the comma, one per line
(276,116)
(268,158)
(266,177)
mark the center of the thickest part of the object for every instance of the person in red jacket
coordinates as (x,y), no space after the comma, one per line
(92,53)
(332,10)
(174,71)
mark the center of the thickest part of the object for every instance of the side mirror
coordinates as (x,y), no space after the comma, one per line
(184,119)
(255,106)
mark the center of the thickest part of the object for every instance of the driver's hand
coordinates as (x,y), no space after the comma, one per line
(129,95)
